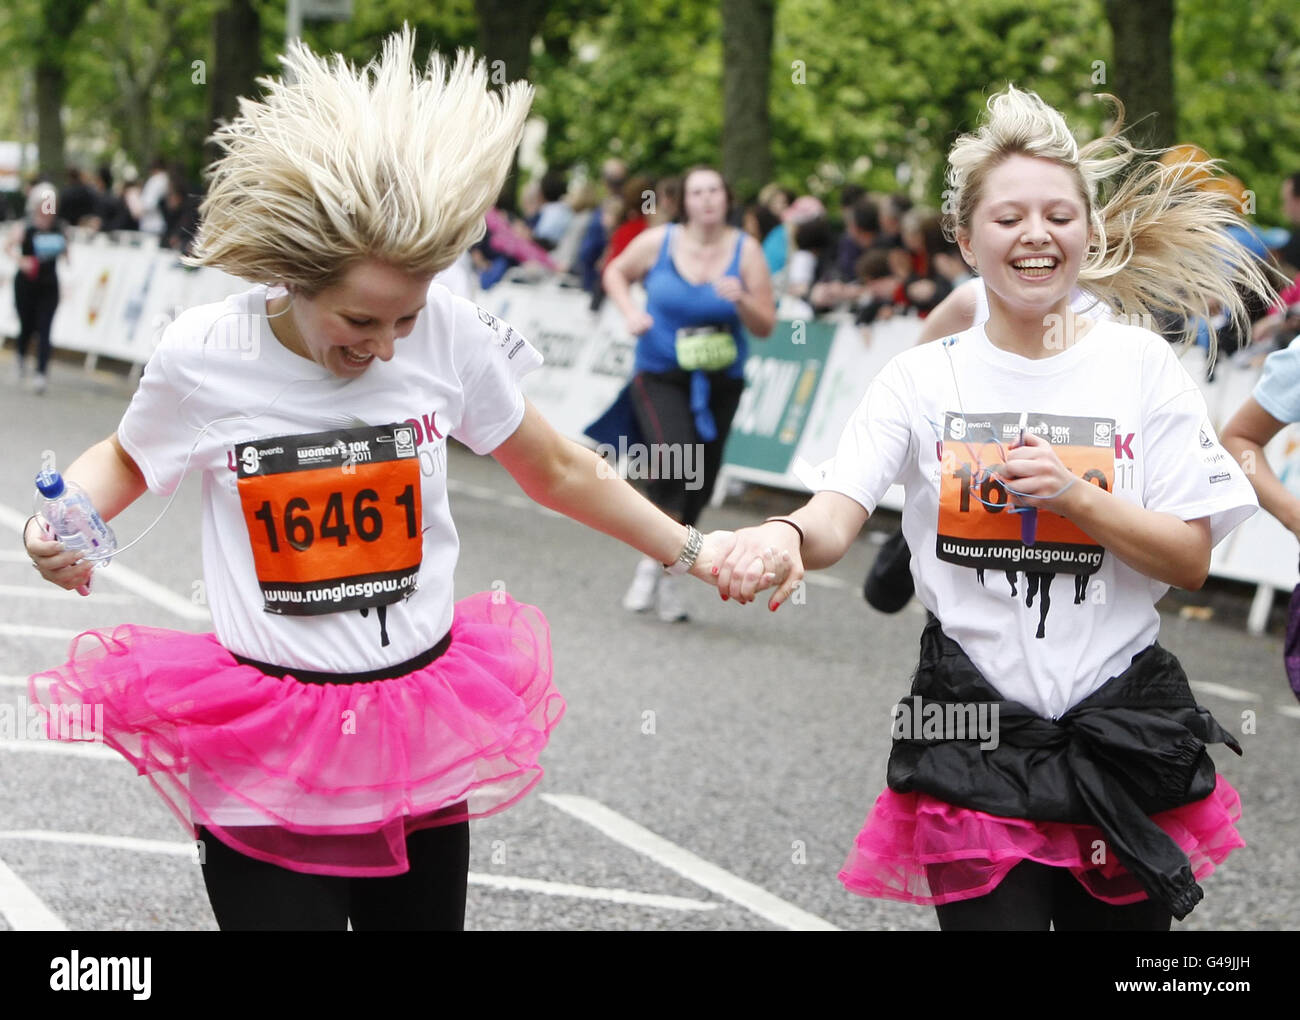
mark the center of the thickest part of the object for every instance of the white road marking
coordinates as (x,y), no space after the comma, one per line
(1291,710)
(22,908)
(492,496)
(688,865)
(826,581)
(27,591)
(71,748)
(147,846)
(1223,691)
(587,892)
(115,573)
(30,630)
(13,681)
(510,883)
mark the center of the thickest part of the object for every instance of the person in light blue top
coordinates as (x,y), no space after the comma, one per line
(707,291)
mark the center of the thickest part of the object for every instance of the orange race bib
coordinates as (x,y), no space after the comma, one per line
(334,518)
(977,527)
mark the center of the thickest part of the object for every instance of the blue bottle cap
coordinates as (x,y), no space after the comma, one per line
(50,484)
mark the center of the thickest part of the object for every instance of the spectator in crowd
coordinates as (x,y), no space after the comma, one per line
(180,211)
(949,264)
(555,215)
(591,250)
(530,204)
(776,246)
(758,221)
(508,243)
(878,287)
(584,203)
(668,201)
(78,201)
(923,236)
(637,195)
(861,228)
(892,209)
(113,213)
(152,193)
(131,196)
(814,244)
(1290,254)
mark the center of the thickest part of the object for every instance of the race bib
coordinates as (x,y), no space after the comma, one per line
(333,518)
(706,349)
(976,525)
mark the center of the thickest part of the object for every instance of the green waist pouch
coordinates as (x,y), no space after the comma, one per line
(706,349)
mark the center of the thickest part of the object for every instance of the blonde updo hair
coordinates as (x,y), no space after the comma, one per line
(1159,237)
(337,165)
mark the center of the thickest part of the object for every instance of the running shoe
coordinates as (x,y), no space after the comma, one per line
(641,595)
(672,604)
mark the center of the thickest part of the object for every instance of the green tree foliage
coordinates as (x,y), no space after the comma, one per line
(642,82)
(1237,72)
(870,92)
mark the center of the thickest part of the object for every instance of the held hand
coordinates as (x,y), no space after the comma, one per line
(762,557)
(717,546)
(729,288)
(1034,469)
(56,564)
(639,322)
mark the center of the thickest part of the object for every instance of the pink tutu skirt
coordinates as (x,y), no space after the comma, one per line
(922,850)
(322,778)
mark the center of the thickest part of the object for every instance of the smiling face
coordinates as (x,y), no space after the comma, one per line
(345,327)
(1027,234)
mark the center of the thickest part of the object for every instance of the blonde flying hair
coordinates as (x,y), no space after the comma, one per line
(1159,241)
(335,165)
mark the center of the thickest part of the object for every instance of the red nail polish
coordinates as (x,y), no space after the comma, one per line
(773,606)
(724,598)
(715,571)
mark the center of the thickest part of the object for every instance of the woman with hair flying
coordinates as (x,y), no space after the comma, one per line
(330,741)
(1044,442)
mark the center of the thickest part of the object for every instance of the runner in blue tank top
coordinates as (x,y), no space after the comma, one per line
(707,287)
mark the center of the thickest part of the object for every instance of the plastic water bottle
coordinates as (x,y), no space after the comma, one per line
(73,518)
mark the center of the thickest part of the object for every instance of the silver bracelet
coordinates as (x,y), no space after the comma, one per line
(689,553)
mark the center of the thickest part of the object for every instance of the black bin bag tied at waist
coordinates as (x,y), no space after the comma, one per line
(1134,747)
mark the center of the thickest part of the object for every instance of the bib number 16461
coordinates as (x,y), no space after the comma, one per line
(334,518)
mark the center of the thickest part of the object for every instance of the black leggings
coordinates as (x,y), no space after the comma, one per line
(252,895)
(663,410)
(1034,896)
(36,306)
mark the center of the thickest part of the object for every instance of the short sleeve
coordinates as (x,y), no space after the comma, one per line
(1278,389)
(150,430)
(491,360)
(874,445)
(1186,472)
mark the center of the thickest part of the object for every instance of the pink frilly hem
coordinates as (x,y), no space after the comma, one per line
(922,850)
(323,778)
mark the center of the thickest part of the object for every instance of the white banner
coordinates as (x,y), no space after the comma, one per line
(117,298)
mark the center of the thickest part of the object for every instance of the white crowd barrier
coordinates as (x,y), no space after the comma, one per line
(117,297)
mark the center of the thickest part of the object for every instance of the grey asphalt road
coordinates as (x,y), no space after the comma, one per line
(708,775)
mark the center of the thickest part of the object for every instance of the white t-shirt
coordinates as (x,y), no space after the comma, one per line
(1117,406)
(153,192)
(219,378)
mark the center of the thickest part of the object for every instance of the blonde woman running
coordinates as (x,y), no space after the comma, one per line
(1049,768)
(330,741)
